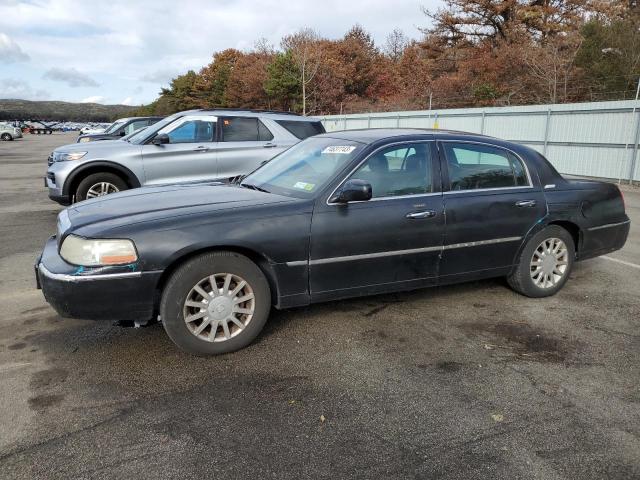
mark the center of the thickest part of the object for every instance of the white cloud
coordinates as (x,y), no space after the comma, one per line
(71,77)
(14,88)
(125,45)
(93,99)
(10,51)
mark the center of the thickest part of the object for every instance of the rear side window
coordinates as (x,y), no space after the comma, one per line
(474,166)
(244,129)
(301,129)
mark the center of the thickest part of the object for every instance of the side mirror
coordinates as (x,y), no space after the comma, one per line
(123,133)
(353,190)
(161,139)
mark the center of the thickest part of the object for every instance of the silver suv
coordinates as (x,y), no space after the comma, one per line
(9,132)
(188,146)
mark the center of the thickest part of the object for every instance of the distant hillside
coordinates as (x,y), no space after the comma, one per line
(61,111)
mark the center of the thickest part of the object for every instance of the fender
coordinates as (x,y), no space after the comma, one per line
(128,175)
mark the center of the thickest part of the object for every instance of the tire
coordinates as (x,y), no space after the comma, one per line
(197,272)
(87,186)
(6,137)
(531,276)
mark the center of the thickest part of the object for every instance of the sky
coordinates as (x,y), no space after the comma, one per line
(124,51)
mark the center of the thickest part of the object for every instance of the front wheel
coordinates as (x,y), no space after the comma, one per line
(6,137)
(98,185)
(215,303)
(544,264)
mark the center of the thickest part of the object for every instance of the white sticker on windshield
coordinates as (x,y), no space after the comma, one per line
(346,149)
(304,186)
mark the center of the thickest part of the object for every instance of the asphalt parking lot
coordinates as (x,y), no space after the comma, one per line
(467,381)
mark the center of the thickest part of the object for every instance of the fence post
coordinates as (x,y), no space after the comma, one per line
(482,123)
(398,121)
(369,120)
(546,132)
(344,122)
(634,150)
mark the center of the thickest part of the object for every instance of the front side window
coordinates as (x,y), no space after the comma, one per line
(474,166)
(198,129)
(244,129)
(398,170)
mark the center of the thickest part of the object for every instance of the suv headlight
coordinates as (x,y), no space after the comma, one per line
(97,252)
(63,157)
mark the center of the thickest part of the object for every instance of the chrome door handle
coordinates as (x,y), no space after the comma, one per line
(424,214)
(526,203)
(269,145)
(201,149)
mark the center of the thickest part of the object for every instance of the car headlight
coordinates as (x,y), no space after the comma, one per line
(97,252)
(63,157)
(84,139)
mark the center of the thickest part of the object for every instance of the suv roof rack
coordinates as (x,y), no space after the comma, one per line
(251,110)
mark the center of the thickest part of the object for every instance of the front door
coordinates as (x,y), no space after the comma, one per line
(190,154)
(393,240)
(491,203)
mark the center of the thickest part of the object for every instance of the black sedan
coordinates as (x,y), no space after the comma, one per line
(338,215)
(120,128)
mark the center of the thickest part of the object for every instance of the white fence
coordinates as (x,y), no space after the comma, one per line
(586,139)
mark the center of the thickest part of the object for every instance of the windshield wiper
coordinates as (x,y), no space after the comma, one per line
(254,187)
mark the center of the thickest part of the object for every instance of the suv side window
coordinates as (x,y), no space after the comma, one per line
(193,131)
(398,170)
(475,166)
(301,129)
(244,129)
(137,125)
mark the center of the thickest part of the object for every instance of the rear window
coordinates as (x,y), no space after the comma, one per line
(301,129)
(244,129)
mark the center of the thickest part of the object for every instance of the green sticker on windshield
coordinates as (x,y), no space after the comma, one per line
(305,186)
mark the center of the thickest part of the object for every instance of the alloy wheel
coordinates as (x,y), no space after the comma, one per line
(219,307)
(100,189)
(549,263)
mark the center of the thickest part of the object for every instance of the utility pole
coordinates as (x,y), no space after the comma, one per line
(636,137)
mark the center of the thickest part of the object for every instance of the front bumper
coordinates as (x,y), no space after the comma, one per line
(115,293)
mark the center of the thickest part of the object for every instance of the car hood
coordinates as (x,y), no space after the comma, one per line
(151,203)
(96,148)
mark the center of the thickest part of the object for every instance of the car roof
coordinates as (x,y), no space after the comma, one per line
(273,114)
(126,119)
(371,135)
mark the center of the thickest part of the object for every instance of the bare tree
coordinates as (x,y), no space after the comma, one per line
(395,44)
(304,47)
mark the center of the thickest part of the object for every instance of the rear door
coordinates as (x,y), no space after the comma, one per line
(245,143)
(191,154)
(491,201)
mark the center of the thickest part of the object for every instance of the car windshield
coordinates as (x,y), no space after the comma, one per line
(304,169)
(114,126)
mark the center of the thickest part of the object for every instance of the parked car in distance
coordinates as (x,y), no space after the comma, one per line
(120,128)
(8,132)
(188,146)
(338,215)
(91,128)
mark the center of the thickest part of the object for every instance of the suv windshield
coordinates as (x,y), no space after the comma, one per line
(305,168)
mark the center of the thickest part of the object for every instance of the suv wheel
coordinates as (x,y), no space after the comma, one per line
(99,184)
(215,303)
(6,137)
(545,263)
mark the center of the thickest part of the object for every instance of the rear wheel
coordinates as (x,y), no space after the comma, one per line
(6,137)
(545,263)
(215,303)
(98,185)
